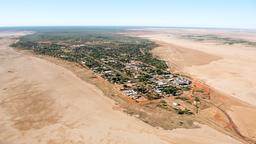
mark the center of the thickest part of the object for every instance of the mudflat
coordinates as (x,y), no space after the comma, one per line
(41,102)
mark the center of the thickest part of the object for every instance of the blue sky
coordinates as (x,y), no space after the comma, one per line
(181,13)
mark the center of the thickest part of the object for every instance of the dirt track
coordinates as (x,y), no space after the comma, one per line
(41,102)
(227,68)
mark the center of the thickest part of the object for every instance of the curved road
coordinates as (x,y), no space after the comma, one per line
(43,103)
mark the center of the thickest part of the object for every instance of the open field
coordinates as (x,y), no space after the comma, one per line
(223,59)
(42,102)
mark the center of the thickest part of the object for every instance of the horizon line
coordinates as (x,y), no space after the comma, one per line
(141,26)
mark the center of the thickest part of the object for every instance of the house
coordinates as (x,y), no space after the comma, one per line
(82,62)
(130,92)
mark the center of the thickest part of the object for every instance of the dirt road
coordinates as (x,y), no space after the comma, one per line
(43,103)
(228,68)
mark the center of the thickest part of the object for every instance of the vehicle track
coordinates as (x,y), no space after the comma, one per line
(234,128)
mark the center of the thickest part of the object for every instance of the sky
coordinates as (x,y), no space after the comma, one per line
(173,13)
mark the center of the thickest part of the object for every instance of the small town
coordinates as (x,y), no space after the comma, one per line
(141,75)
(126,63)
(128,72)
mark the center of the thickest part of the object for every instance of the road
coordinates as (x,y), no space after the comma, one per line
(41,102)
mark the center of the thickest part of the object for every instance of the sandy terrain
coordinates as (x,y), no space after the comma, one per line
(41,102)
(244,118)
(228,68)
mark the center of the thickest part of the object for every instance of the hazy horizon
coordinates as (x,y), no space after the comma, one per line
(177,13)
(111,27)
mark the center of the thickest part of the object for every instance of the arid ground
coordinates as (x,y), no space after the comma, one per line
(228,68)
(41,102)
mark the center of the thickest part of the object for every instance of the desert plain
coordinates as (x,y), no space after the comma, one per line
(227,68)
(42,102)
